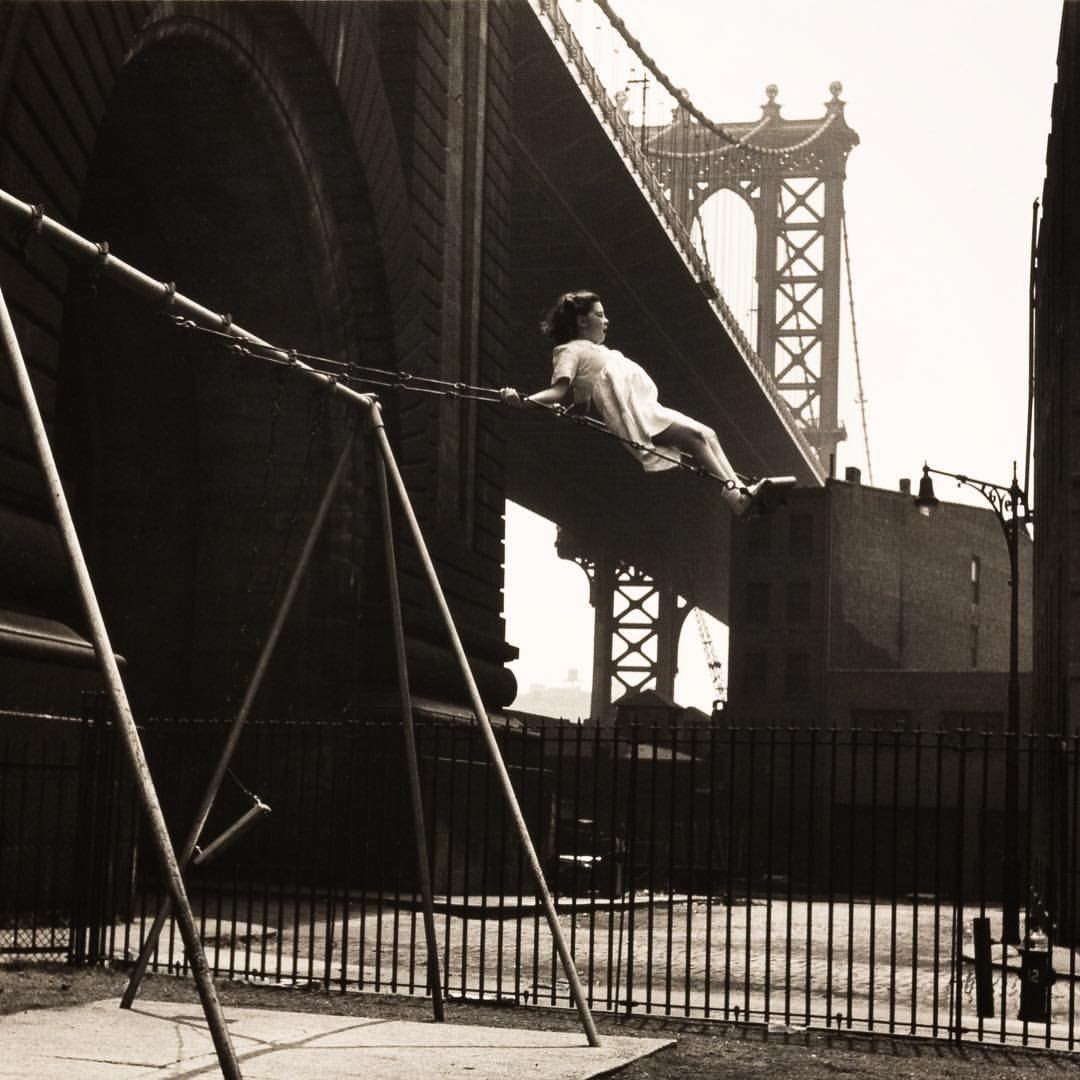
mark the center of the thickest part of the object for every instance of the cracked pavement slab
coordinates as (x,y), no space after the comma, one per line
(171,1040)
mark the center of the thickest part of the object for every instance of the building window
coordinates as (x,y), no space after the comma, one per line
(796,676)
(974,646)
(797,608)
(801,534)
(756,674)
(757,603)
(759,536)
(976,569)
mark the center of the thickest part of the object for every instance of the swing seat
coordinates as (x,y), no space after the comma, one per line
(257,811)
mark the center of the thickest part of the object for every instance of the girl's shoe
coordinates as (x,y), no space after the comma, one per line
(766,494)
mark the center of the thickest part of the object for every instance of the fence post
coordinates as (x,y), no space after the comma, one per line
(631,847)
(957,1026)
(85,915)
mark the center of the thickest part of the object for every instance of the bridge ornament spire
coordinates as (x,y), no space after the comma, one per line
(771,108)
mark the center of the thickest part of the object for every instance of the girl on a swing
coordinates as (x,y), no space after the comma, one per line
(627,400)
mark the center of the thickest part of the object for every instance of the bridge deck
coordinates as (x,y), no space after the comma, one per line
(582,220)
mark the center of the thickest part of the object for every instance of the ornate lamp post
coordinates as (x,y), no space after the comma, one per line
(1011,509)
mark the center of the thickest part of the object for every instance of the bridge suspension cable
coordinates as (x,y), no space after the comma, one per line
(861,399)
(685,102)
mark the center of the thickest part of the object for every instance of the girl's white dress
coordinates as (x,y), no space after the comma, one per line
(622,392)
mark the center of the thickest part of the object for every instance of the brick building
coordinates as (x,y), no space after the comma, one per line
(1057,395)
(851,609)
(1057,467)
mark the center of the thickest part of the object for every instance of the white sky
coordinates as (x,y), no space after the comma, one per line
(951,100)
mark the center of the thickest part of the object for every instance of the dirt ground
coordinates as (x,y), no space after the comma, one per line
(703,1050)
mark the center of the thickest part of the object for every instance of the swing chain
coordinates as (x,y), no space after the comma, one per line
(407,380)
(240,784)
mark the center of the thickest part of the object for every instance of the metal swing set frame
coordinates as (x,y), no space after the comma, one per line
(30,221)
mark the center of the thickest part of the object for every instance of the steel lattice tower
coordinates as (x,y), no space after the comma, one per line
(636,627)
(791,175)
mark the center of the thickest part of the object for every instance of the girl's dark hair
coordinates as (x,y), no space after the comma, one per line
(561,322)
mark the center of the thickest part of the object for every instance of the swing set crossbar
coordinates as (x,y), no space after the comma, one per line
(30,220)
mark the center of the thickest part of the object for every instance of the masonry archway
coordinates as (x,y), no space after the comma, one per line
(195,472)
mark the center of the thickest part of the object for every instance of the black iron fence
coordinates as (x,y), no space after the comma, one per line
(795,877)
(59,844)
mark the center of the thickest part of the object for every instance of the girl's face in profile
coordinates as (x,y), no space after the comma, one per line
(593,325)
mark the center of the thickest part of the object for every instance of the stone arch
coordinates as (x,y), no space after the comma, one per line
(227,160)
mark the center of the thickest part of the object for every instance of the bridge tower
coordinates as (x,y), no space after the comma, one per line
(636,624)
(791,175)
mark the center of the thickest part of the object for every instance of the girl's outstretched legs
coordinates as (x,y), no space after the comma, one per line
(701,443)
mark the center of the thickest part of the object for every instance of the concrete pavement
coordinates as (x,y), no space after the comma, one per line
(100,1041)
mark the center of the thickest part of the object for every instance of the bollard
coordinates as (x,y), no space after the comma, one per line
(1036,977)
(984,969)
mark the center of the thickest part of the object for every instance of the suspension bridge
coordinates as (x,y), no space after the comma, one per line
(340,216)
(388,196)
(718,250)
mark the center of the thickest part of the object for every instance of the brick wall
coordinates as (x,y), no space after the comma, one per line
(903,594)
(851,579)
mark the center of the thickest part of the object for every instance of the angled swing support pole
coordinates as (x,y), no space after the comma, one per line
(114,685)
(184,855)
(411,758)
(577,992)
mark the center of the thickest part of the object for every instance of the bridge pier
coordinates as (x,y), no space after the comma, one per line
(636,623)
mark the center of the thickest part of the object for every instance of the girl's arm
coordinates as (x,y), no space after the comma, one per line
(550,395)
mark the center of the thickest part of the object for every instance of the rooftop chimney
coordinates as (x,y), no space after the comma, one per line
(852,475)
(905,486)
